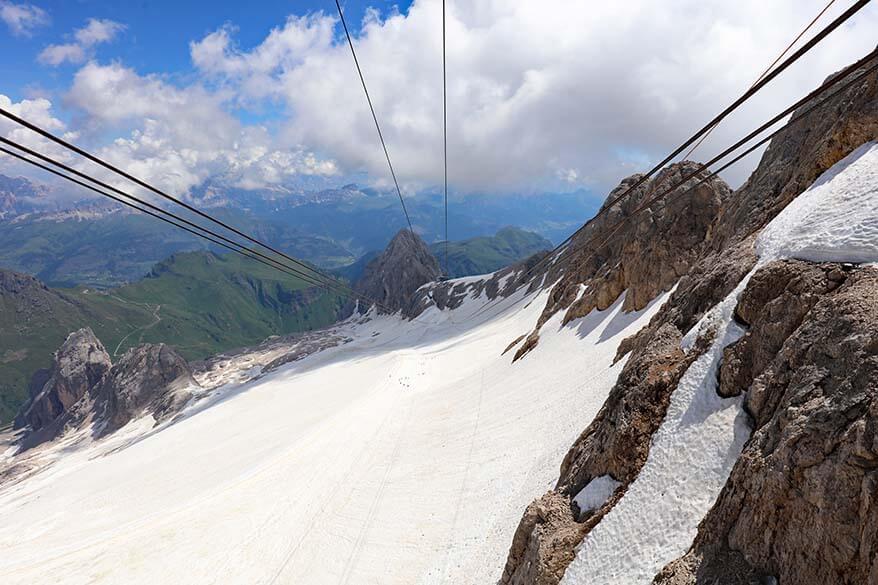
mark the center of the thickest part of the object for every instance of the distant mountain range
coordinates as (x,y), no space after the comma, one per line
(100,244)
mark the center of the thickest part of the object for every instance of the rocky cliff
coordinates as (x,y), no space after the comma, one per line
(149,378)
(84,389)
(633,248)
(798,505)
(393,277)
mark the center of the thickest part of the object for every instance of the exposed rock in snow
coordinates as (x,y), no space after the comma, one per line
(642,257)
(800,501)
(778,297)
(451,294)
(83,389)
(393,277)
(544,541)
(394,458)
(690,457)
(797,157)
(149,378)
(249,363)
(78,366)
(616,443)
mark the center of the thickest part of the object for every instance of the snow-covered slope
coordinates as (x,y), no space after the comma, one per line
(695,448)
(403,456)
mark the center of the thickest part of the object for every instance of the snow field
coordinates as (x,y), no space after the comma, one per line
(402,457)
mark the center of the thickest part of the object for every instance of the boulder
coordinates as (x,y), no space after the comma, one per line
(149,378)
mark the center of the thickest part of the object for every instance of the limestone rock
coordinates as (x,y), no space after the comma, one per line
(394,276)
(79,364)
(544,542)
(148,378)
(83,389)
(799,504)
(500,284)
(616,443)
(640,252)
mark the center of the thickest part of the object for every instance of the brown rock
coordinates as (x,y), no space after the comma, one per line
(616,443)
(544,542)
(777,297)
(800,502)
(644,256)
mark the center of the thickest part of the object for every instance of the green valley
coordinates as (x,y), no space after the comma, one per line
(199,302)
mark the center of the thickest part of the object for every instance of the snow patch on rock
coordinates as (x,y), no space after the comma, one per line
(835,220)
(595,493)
(689,461)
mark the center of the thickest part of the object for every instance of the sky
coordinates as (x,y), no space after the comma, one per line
(549,95)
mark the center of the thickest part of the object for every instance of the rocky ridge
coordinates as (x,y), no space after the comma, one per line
(813,435)
(451,294)
(641,257)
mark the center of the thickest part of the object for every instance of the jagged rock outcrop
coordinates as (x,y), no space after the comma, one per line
(644,256)
(799,458)
(83,388)
(393,277)
(451,294)
(78,366)
(800,502)
(149,378)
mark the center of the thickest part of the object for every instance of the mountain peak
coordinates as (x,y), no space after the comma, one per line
(392,278)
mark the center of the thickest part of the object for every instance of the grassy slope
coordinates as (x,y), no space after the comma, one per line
(208,303)
(121,248)
(489,253)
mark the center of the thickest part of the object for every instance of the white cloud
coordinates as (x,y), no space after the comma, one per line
(284,48)
(57,54)
(95,32)
(541,95)
(534,88)
(22,19)
(98,31)
(39,111)
(184,136)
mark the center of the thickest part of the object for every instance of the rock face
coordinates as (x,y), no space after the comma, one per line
(644,256)
(84,388)
(151,378)
(616,444)
(79,365)
(394,276)
(800,502)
